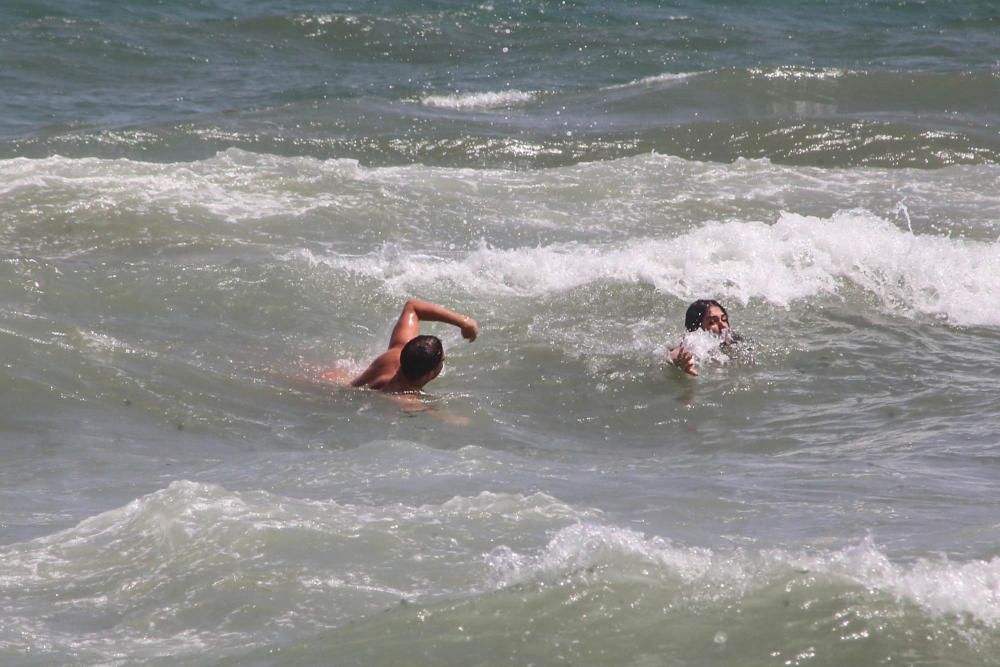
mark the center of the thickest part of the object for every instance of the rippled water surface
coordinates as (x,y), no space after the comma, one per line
(204,206)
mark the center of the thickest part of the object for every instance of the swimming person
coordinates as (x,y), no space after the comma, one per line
(412,360)
(707,315)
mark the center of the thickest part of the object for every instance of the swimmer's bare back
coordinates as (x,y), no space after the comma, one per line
(338,376)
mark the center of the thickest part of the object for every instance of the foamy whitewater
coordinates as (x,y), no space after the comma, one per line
(205,206)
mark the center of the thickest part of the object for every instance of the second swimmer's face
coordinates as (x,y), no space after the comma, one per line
(715,320)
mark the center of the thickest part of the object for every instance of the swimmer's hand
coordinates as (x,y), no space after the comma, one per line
(682,359)
(469,329)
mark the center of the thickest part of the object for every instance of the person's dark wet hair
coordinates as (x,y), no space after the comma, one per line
(420,356)
(696,313)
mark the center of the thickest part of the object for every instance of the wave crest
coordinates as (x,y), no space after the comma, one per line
(479,101)
(798,257)
(610,554)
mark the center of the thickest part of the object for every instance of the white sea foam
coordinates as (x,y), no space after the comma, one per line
(234,185)
(485,100)
(795,258)
(939,586)
(584,545)
(194,545)
(782,261)
(800,74)
(667,77)
(705,347)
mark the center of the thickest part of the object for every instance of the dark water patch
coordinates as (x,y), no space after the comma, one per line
(819,117)
(97,65)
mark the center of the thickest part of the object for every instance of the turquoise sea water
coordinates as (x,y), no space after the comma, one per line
(204,204)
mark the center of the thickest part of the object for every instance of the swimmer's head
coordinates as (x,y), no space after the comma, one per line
(707,314)
(422,356)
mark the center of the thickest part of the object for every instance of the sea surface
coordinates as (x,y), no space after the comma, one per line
(206,204)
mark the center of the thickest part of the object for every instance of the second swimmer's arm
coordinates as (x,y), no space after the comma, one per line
(682,359)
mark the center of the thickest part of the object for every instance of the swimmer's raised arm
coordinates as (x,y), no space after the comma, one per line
(417,310)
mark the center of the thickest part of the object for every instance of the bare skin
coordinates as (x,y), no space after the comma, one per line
(715,321)
(384,374)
